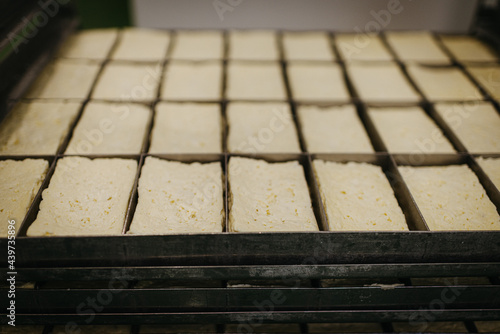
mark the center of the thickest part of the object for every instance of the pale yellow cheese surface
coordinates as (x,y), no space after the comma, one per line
(255,81)
(186,128)
(176,197)
(358,197)
(451,198)
(36,127)
(137,44)
(307,46)
(89,44)
(491,167)
(85,197)
(416,46)
(468,49)
(268,197)
(333,130)
(21,180)
(363,47)
(488,77)
(253,45)
(198,45)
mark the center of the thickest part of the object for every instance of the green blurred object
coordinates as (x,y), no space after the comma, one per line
(103,14)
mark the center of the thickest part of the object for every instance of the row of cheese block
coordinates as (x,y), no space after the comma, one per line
(90,197)
(39,127)
(134,44)
(203,81)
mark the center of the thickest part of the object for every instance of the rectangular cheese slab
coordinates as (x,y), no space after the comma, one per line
(416,46)
(468,49)
(307,46)
(198,45)
(488,77)
(362,47)
(89,44)
(253,45)
(138,44)
(491,167)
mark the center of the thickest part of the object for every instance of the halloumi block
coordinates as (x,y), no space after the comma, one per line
(362,47)
(488,77)
(110,128)
(198,45)
(381,83)
(137,44)
(37,127)
(491,167)
(253,45)
(444,83)
(268,197)
(128,82)
(307,46)
(21,180)
(192,81)
(317,82)
(476,125)
(85,197)
(255,81)
(175,197)
(333,130)
(409,130)
(358,197)
(65,79)
(468,49)
(416,46)
(89,44)
(186,128)
(451,198)
(261,127)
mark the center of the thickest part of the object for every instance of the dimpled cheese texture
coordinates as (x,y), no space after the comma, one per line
(307,46)
(65,79)
(255,81)
(192,81)
(476,125)
(261,127)
(37,127)
(362,47)
(175,197)
(382,82)
(317,82)
(21,180)
(468,49)
(333,130)
(451,198)
(198,45)
(409,130)
(253,45)
(491,167)
(89,44)
(416,46)
(142,45)
(186,128)
(444,84)
(128,82)
(85,197)
(268,197)
(488,77)
(358,197)
(110,128)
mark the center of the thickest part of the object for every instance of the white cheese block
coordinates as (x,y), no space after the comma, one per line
(261,127)
(409,130)
(416,46)
(142,45)
(444,84)
(37,127)
(128,82)
(491,167)
(65,79)
(307,46)
(382,82)
(430,327)
(333,130)
(358,197)
(21,180)
(175,197)
(476,125)
(451,198)
(186,128)
(363,47)
(89,44)
(488,77)
(192,81)
(253,45)
(487,326)
(94,329)
(268,197)
(110,128)
(468,49)
(317,82)
(85,197)
(198,45)
(255,81)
